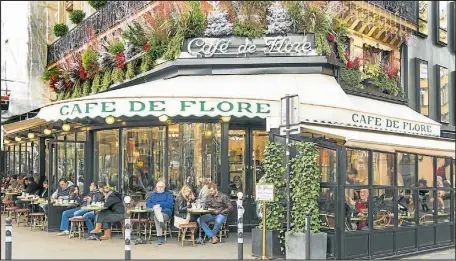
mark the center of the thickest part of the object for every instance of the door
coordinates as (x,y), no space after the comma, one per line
(66,160)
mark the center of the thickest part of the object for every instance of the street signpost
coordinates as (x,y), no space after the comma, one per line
(264,193)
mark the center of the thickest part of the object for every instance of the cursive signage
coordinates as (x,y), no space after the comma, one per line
(237,46)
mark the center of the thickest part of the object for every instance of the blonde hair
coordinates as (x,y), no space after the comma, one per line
(183,189)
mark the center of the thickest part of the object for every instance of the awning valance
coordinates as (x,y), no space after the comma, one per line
(385,142)
(22,125)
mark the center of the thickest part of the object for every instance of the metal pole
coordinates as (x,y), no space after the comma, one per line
(307,236)
(127,230)
(240,230)
(8,238)
(287,158)
(263,252)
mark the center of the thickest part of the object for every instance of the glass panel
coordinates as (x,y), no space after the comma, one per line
(36,161)
(80,165)
(454,174)
(143,158)
(23,162)
(16,160)
(357,167)
(443,14)
(7,162)
(260,139)
(71,162)
(444,172)
(327,161)
(423,14)
(425,208)
(383,164)
(425,171)
(327,206)
(424,88)
(236,158)
(406,207)
(107,156)
(194,154)
(81,136)
(383,213)
(357,212)
(444,96)
(443,206)
(406,169)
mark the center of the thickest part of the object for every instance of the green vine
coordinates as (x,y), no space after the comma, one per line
(106,80)
(118,75)
(305,187)
(86,88)
(350,78)
(96,83)
(274,169)
(391,86)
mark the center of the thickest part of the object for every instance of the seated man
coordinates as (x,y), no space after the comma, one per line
(63,192)
(113,211)
(32,188)
(222,206)
(161,202)
(13,183)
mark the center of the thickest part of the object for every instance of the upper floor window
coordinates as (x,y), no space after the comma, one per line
(442,21)
(442,83)
(423,84)
(423,18)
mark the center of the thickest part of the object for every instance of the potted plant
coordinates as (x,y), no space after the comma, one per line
(273,174)
(77,16)
(305,190)
(60,30)
(97,4)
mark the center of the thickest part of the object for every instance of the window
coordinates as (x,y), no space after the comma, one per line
(444,102)
(194,155)
(423,18)
(423,83)
(406,169)
(406,207)
(443,198)
(357,211)
(442,22)
(327,205)
(107,157)
(383,164)
(425,171)
(454,174)
(143,154)
(383,212)
(357,167)
(327,164)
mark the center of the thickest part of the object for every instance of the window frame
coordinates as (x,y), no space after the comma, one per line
(437,27)
(438,96)
(418,32)
(418,62)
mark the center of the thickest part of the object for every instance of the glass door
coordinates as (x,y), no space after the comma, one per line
(237,144)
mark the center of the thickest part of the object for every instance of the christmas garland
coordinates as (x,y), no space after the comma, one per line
(160,35)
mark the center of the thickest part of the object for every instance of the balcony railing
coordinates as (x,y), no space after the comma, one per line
(405,9)
(105,18)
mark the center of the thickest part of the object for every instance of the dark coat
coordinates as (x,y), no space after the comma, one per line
(44,193)
(181,206)
(77,198)
(33,188)
(114,209)
(96,196)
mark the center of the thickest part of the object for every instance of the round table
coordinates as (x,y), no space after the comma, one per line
(200,212)
(139,211)
(65,204)
(93,208)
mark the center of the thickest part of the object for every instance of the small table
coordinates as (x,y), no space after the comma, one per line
(200,212)
(139,211)
(92,208)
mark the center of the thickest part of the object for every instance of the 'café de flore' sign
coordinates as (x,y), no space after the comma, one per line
(292,45)
(156,107)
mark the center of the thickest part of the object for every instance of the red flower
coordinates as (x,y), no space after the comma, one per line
(331,37)
(52,80)
(82,73)
(146,47)
(120,60)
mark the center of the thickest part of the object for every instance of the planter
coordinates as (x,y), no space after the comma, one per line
(272,243)
(295,245)
(369,82)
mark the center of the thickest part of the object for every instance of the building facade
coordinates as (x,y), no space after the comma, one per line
(133,105)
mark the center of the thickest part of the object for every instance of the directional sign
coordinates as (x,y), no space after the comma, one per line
(264,192)
(294,129)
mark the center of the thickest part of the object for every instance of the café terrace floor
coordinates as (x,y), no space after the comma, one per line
(43,245)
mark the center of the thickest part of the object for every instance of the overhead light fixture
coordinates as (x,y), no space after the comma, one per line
(31,135)
(18,138)
(110,119)
(47,132)
(66,127)
(7,141)
(225,118)
(163,118)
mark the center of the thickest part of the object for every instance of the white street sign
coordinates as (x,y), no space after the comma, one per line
(264,192)
(296,129)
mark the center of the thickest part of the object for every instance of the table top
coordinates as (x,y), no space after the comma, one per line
(65,204)
(30,199)
(92,207)
(145,210)
(406,217)
(199,211)
(13,193)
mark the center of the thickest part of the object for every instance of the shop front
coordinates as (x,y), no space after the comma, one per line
(200,121)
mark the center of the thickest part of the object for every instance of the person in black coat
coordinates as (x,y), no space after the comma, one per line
(44,191)
(32,187)
(113,211)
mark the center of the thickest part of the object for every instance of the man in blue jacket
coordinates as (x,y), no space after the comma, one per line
(161,202)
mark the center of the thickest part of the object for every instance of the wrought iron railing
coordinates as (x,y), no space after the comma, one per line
(405,9)
(105,18)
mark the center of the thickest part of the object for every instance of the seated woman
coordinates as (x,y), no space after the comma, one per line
(113,211)
(183,202)
(75,196)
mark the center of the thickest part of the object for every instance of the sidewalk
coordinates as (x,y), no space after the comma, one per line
(39,245)
(445,254)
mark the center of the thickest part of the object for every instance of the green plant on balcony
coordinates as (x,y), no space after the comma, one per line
(117,75)
(77,16)
(131,70)
(372,70)
(96,83)
(60,30)
(116,47)
(134,34)
(47,74)
(97,4)
(90,61)
(250,29)
(387,85)
(106,80)
(86,88)
(250,18)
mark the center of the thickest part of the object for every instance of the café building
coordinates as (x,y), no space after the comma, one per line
(208,115)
